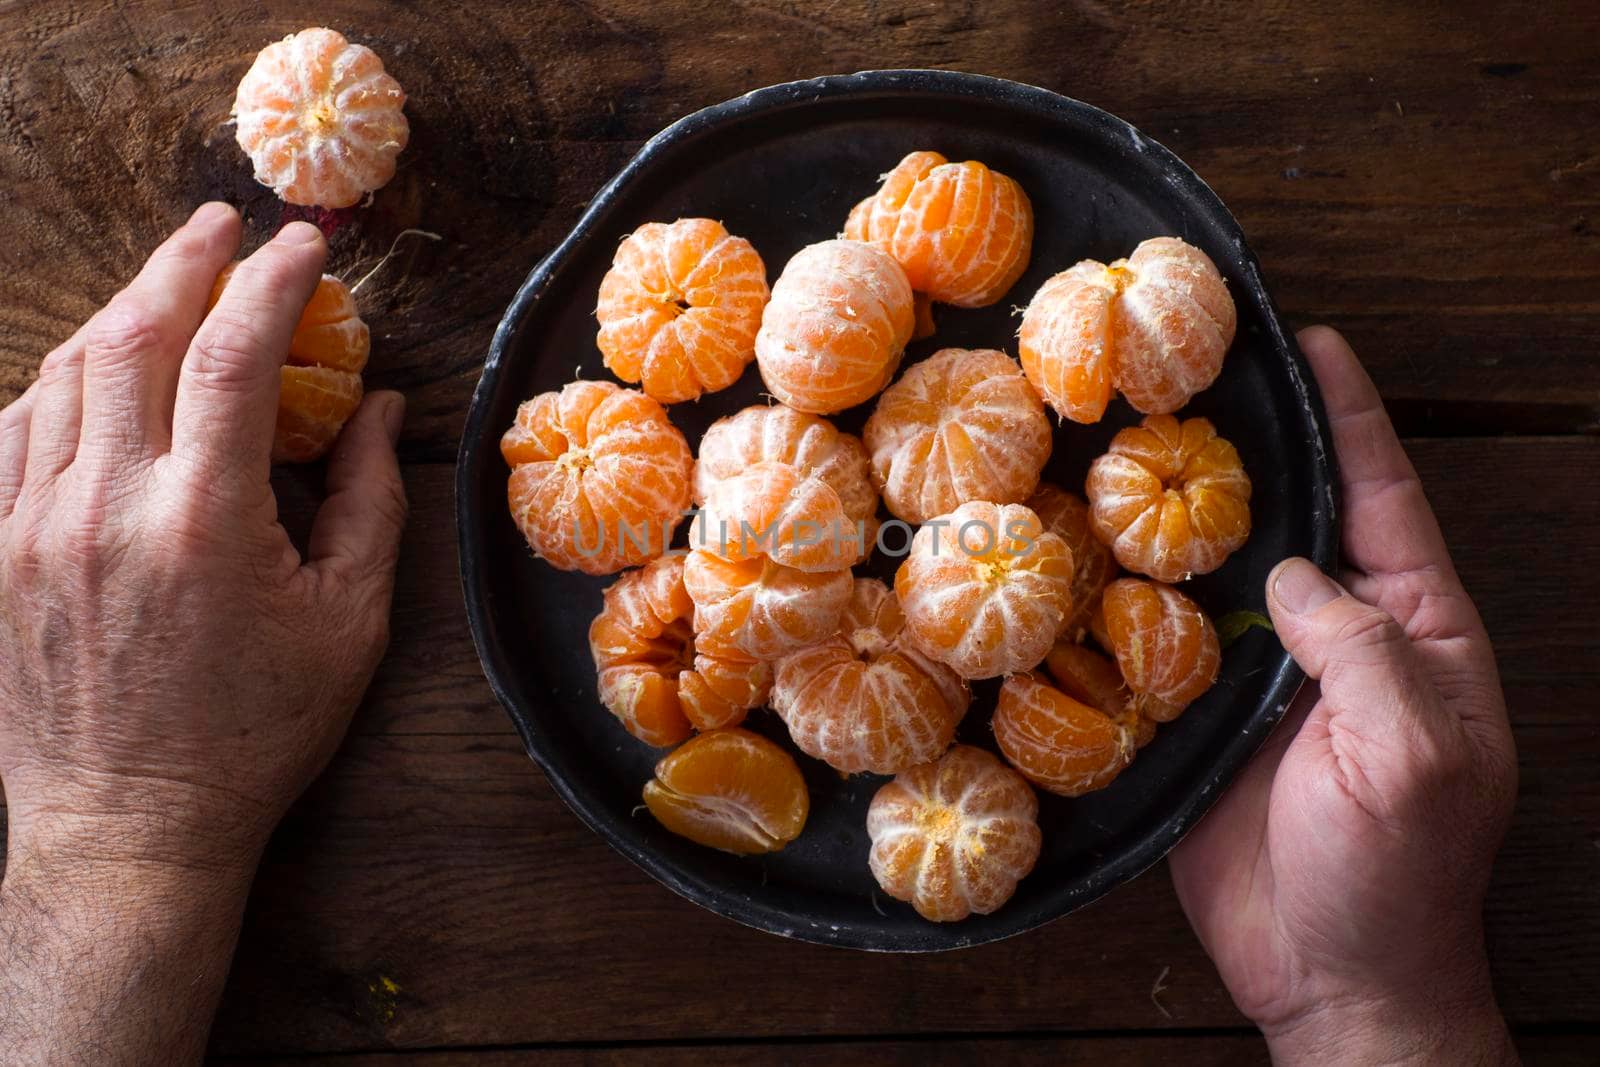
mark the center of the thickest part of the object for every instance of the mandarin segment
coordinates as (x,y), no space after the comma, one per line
(954,836)
(680,307)
(1067,516)
(320,383)
(1058,742)
(320,119)
(986,589)
(599,476)
(732,790)
(779,482)
(962,231)
(834,330)
(1090,678)
(654,676)
(1171,499)
(1166,647)
(1154,326)
(963,424)
(865,700)
(762,608)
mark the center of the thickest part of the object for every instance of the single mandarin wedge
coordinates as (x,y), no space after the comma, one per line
(1059,743)
(732,790)
(1171,499)
(1165,645)
(962,232)
(835,328)
(985,589)
(680,307)
(599,476)
(320,384)
(963,424)
(1090,678)
(865,700)
(655,676)
(778,482)
(954,836)
(1067,516)
(1154,326)
(320,120)
(761,608)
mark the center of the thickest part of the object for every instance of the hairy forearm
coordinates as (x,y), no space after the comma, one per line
(112,961)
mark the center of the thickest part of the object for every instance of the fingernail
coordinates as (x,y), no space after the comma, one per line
(1300,587)
(298,233)
(210,212)
(394,416)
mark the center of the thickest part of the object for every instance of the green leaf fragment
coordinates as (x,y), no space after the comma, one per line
(1234,624)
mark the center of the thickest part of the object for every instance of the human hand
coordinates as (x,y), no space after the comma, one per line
(1339,883)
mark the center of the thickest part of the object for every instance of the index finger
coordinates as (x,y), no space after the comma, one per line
(227,401)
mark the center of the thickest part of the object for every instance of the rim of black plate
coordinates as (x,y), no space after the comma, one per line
(477,442)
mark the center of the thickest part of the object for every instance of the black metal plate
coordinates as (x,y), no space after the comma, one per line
(782,166)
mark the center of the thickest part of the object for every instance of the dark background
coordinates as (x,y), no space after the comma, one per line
(1426,177)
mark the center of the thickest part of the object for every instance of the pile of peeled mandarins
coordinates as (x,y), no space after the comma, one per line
(1005,576)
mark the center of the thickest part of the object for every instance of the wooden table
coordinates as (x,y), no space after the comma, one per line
(1424,176)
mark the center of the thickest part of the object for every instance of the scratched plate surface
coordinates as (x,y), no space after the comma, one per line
(782,166)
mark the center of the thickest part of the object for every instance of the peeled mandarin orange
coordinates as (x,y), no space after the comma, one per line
(961,231)
(954,836)
(1067,516)
(985,589)
(320,385)
(732,790)
(1165,645)
(1059,743)
(963,424)
(865,700)
(320,120)
(1090,678)
(654,675)
(599,476)
(761,608)
(833,332)
(680,307)
(778,482)
(1171,499)
(1154,326)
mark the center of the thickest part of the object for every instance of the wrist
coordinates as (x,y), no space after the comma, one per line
(1448,1019)
(99,823)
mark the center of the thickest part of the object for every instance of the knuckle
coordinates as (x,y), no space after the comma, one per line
(122,333)
(1370,628)
(228,354)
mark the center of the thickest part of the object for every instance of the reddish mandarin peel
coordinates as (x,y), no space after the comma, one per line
(680,307)
(864,699)
(963,424)
(1154,326)
(962,231)
(1171,499)
(985,589)
(834,330)
(320,120)
(599,476)
(954,836)
(655,676)
(732,790)
(320,385)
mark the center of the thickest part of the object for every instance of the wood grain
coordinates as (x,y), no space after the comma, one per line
(1425,179)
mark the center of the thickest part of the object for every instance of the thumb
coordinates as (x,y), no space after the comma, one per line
(357,530)
(1361,655)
